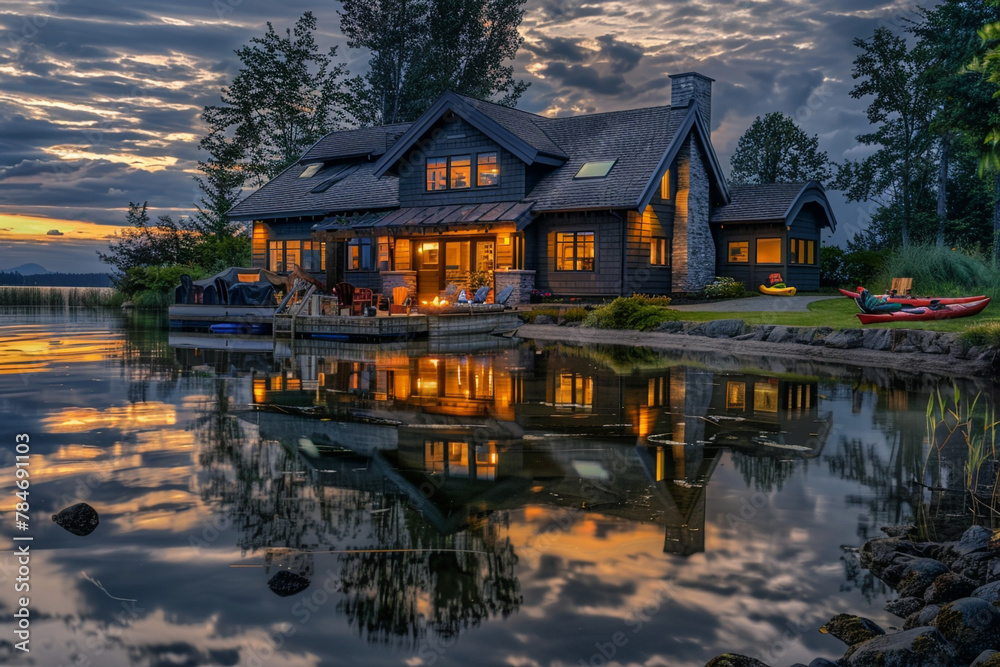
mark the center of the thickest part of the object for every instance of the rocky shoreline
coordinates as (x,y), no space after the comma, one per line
(900,349)
(949,604)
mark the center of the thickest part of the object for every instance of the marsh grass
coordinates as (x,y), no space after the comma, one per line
(972,425)
(940,272)
(55,297)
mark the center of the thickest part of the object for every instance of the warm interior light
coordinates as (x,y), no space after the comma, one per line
(436,301)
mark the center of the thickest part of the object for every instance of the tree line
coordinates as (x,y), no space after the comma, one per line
(932,172)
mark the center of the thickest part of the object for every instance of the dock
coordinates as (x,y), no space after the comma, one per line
(383,327)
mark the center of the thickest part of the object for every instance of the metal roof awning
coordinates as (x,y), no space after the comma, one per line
(517,212)
(336,223)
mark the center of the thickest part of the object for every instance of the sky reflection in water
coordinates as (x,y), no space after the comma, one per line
(497,504)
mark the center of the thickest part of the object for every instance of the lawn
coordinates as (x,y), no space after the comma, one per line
(839,314)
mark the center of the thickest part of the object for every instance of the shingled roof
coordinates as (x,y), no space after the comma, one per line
(528,126)
(289,195)
(772,202)
(362,142)
(636,139)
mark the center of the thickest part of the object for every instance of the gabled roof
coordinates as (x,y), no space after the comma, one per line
(362,142)
(517,131)
(287,195)
(773,202)
(642,141)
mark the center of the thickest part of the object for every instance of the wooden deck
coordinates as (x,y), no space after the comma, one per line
(467,322)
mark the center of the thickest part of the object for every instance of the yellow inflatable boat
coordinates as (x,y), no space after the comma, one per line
(778,291)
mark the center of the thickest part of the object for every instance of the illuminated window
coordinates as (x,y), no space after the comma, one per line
(801,251)
(665,191)
(736,395)
(460,172)
(458,459)
(739,252)
(437,173)
(434,456)
(359,254)
(313,256)
(293,254)
(275,256)
(488,169)
(429,253)
(598,169)
(311,170)
(765,396)
(769,251)
(659,251)
(574,251)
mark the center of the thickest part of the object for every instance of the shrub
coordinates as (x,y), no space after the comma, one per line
(831,266)
(575,314)
(530,315)
(724,287)
(862,266)
(984,333)
(638,312)
(152,287)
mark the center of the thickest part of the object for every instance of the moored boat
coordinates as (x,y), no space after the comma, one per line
(917,301)
(939,312)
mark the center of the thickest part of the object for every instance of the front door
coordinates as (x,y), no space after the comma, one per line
(428,263)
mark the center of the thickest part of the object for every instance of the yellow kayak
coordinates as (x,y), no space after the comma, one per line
(778,291)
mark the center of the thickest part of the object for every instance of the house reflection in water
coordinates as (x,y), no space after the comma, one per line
(483,431)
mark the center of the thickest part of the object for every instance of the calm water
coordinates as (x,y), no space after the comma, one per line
(497,503)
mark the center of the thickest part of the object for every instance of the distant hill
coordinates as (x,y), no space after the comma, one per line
(30,269)
(53,279)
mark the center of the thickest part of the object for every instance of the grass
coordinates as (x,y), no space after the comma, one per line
(839,314)
(55,297)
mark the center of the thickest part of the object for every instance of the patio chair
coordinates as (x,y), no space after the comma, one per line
(400,304)
(901,286)
(363,298)
(462,297)
(481,294)
(345,296)
(449,292)
(504,296)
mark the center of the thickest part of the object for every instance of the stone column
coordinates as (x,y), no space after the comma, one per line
(523,282)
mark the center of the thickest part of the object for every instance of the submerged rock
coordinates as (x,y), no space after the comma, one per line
(80,519)
(734,660)
(918,574)
(919,647)
(971,624)
(851,630)
(287,583)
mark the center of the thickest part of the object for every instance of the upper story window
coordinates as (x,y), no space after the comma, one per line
(451,173)
(597,169)
(659,251)
(667,185)
(488,169)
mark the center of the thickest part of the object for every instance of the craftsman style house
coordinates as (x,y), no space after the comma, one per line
(593,206)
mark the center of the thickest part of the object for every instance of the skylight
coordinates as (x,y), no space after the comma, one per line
(311,170)
(598,169)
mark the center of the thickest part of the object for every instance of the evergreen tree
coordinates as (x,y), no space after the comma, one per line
(776,150)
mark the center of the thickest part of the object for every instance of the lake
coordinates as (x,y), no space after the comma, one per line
(488,501)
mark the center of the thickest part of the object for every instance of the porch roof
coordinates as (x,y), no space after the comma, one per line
(517,212)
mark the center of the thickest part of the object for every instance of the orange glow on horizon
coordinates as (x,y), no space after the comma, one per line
(34,228)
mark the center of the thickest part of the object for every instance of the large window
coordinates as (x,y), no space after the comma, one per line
(488,169)
(769,251)
(659,251)
(666,186)
(452,173)
(359,255)
(739,252)
(801,251)
(574,251)
(283,255)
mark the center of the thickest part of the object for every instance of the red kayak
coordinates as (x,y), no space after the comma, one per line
(926,313)
(918,301)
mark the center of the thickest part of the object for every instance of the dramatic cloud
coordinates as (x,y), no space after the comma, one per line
(100,100)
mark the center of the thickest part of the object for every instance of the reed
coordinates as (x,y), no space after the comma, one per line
(972,425)
(54,297)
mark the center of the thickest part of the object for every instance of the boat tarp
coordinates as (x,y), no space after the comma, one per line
(235,274)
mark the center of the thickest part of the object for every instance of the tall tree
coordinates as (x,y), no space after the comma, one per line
(947,37)
(286,95)
(776,150)
(421,48)
(900,111)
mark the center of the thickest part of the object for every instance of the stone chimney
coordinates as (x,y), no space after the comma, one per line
(692,87)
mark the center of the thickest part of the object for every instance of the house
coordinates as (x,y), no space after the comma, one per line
(591,206)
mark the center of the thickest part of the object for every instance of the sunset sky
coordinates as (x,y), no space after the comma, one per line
(100,100)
